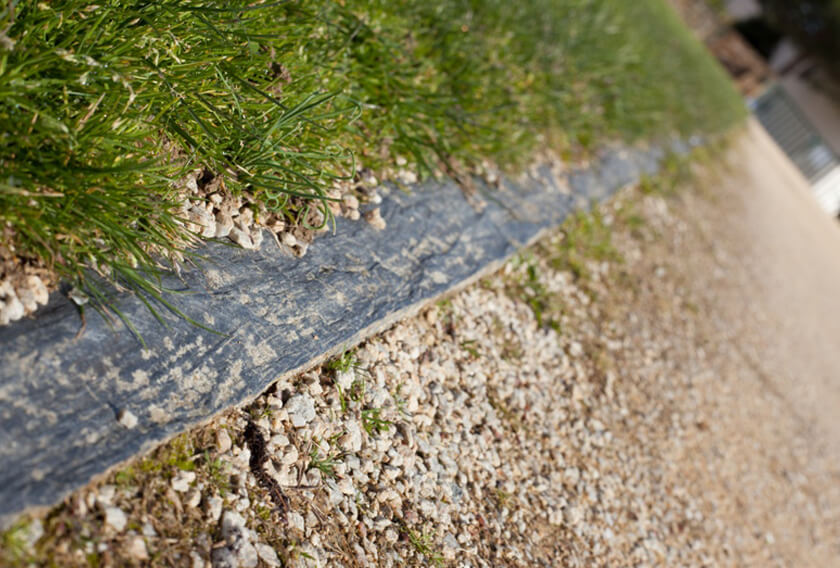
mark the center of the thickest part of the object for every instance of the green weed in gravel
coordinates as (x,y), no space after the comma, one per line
(586,237)
(13,548)
(323,459)
(423,543)
(372,423)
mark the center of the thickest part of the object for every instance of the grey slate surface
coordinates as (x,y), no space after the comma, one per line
(60,395)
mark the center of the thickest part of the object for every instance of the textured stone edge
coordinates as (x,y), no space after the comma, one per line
(594,183)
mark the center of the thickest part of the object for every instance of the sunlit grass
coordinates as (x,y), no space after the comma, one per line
(104,107)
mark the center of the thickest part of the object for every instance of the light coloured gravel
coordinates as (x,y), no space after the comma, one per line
(631,429)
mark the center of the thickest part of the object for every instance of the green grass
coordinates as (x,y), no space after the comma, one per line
(342,363)
(13,544)
(470,347)
(372,423)
(424,544)
(217,473)
(527,285)
(324,463)
(586,238)
(103,109)
(354,394)
(178,454)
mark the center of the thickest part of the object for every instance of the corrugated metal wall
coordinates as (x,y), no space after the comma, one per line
(798,138)
(779,114)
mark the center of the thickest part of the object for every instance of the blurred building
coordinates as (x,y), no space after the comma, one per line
(801,108)
(793,97)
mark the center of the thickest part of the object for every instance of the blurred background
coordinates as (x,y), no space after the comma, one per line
(783,55)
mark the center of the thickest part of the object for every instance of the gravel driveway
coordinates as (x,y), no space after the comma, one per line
(662,395)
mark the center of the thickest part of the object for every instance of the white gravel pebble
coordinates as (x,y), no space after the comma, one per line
(136,548)
(351,441)
(267,555)
(223,442)
(127,419)
(350,201)
(39,289)
(238,540)
(213,508)
(296,522)
(301,409)
(345,379)
(182,481)
(289,239)
(27,298)
(197,561)
(205,223)
(105,495)
(223,557)
(241,238)
(13,309)
(224,225)
(193,498)
(374,218)
(116,518)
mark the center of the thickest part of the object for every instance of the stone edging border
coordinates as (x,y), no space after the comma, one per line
(71,408)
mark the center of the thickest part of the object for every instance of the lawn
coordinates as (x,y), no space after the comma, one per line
(106,109)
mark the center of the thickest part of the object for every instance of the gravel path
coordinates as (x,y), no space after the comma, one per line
(655,398)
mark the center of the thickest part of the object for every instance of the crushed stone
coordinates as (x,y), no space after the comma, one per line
(630,432)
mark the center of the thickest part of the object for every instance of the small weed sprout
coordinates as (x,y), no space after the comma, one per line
(357,390)
(125,477)
(444,305)
(296,552)
(346,363)
(372,423)
(178,454)
(399,400)
(256,413)
(263,513)
(530,289)
(502,497)
(470,347)
(217,472)
(13,543)
(343,363)
(341,398)
(325,464)
(422,542)
(356,393)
